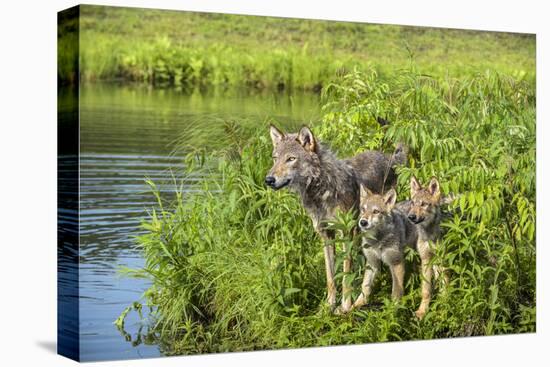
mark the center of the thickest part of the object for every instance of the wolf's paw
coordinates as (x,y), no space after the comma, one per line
(420,314)
(359,302)
(342,310)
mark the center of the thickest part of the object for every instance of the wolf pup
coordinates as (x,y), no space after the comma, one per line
(327,184)
(424,211)
(386,233)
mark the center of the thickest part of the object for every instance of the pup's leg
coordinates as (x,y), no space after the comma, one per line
(426,270)
(346,287)
(372,268)
(398,276)
(329,269)
(393,257)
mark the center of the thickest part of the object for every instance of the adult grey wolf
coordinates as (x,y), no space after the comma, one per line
(327,184)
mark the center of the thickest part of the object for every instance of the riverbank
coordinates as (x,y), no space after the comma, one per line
(189,50)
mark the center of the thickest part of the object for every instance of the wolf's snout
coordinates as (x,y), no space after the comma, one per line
(270,181)
(415,219)
(363,223)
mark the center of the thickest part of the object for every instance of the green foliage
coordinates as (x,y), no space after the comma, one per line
(196,50)
(163,63)
(477,135)
(237,266)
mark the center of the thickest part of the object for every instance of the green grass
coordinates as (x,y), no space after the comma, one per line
(189,50)
(239,267)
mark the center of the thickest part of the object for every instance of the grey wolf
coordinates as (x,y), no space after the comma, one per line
(386,233)
(327,185)
(389,228)
(424,210)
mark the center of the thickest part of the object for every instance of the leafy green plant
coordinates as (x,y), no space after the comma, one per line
(237,266)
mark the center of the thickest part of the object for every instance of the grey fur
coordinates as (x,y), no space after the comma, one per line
(416,223)
(386,233)
(424,209)
(430,228)
(325,183)
(395,231)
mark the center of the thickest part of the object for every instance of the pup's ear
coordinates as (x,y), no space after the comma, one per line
(390,198)
(415,186)
(433,188)
(364,193)
(276,135)
(306,139)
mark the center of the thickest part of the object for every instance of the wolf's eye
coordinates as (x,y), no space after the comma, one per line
(424,205)
(290,159)
(375,211)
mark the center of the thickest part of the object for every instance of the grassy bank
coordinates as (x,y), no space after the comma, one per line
(239,267)
(187,50)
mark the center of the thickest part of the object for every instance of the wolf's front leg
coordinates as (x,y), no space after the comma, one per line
(372,268)
(329,269)
(398,276)
(393,257)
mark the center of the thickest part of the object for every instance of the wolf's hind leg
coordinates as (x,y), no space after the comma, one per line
(372,268)
(329,269)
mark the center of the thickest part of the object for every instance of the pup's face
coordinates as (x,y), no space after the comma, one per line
(294,158)
(425,201)
(375,209)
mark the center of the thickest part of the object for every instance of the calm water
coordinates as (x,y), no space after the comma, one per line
(127,134)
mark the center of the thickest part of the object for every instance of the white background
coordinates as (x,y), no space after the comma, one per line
(28,181)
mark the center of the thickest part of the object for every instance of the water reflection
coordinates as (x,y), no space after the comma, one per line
(127,134)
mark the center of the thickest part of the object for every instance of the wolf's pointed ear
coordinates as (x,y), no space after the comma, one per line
(433,188)
(415,186)
(390,198)
(364,192)
(306,139)
(276,135)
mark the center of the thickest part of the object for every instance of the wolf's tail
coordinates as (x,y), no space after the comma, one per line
(400,154)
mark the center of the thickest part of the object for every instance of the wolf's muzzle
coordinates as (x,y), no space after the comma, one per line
(413,218)
(270,181)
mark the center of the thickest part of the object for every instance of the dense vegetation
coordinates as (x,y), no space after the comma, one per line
(188,50)
(239,267)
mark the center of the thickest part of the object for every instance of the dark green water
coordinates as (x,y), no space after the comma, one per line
(126,135)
